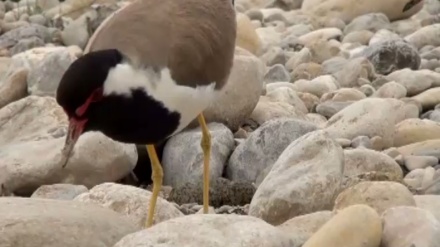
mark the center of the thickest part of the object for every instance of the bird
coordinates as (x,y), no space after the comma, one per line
(147,72)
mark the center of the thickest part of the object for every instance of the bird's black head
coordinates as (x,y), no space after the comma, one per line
(80,87)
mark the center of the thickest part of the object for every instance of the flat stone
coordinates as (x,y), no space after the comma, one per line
(54,223)
(59,191)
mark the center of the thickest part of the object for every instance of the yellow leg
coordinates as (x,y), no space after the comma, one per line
(157,176)
(206,147)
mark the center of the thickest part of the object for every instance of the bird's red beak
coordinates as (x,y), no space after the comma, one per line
(76,128)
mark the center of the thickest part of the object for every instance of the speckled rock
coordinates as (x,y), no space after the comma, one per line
(221,229)
(263,147)
(59,191)
(305,167)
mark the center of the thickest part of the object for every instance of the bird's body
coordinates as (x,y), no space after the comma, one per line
(148,71)
(175,54)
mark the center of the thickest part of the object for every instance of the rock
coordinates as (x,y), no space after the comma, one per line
(380,195)
(309,100)
(231,108)
(274,56)
(343,95)
(269,37)
(43,80)
(301,228)
(428,98)
(277,73)
(322,50)
(383,36)
(430,203)
(38,19)
(369,117)
(267,109)
(357,225)
(300,57)
(59,191)
(420,179)
(429,147)
(362,37)
(312,164)
(348,10)
(400,221)
(368,90)
(330,108)
(391,89)
(247,37)
(12,37)
(361,161)
(182,157)
(320,34)
(306,71)
(213,231)
(26,44)
(372,22)
(78,31)
(37,125)
(318,86)
(352,71)
(390,55)
(414,130)
(13,88)
(424,36)
(415,81)
(51,223)
(288,95)
(263,147)
(129,201)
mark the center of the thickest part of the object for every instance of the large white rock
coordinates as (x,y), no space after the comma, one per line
(209,230)
(306,178)
(32,134)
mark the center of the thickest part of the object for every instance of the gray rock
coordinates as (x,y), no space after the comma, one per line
(277,73)
(311,165)
(209,230)
(26,44)
(372,22)
(182,157)
(43,80)
(38,19)
(59,191)
(11,38)
(390,55)
(54,223)
(330,108)
(263,147)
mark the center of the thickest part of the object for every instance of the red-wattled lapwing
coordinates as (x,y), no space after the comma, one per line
(148,71)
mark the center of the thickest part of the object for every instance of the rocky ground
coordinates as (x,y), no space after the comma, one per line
(328,134)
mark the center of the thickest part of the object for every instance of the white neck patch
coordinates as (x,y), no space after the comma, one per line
(188,101)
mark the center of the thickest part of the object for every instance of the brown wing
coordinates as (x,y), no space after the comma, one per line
(194,38)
